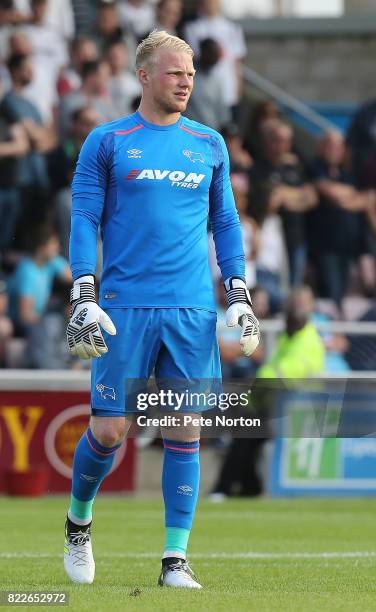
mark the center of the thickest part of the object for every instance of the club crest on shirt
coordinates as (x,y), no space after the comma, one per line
(194,157)
(134,153)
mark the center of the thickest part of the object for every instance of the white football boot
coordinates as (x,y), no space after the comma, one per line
(177,573)
(78,554)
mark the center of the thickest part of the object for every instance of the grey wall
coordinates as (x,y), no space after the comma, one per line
(314,62)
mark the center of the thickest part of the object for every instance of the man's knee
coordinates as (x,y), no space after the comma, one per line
(110,431)
(182,433)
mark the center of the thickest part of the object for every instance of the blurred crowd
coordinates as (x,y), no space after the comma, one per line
(309,223)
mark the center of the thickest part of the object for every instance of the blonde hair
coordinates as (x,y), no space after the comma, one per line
(159,40)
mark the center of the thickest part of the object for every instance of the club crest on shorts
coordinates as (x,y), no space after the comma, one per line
(194,157)
(106,391)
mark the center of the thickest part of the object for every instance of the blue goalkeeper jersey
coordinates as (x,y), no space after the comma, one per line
(152,190)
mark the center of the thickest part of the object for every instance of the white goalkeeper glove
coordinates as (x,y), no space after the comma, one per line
(240,313)
(84,334)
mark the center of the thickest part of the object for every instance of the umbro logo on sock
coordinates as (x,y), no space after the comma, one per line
(89,478)
(185,490)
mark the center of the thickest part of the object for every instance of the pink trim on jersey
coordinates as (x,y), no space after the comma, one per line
(124,132)
(182,127)
(182,450)
(97,451)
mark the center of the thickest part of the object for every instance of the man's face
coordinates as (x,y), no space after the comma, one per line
(211,8)
(25,72)
(39,8)
(278,143)
(169,80)
(86,122)
(170,12)
(117,57)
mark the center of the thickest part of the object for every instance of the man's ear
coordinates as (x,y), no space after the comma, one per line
(143,76)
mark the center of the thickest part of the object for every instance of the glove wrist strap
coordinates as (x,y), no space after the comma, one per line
(83,291)
(237,291)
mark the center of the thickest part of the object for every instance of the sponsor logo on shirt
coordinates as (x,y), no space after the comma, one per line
(178,178)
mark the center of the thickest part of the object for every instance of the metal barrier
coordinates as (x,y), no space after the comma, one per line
(270,328)
(283,97)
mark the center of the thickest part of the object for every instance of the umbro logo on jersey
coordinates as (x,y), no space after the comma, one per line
(178,178)
(134,153)
(194,157)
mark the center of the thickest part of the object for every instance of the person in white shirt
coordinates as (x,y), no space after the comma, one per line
(49,54)
(58,15)
(168,15)
(137,16)
(123,87)
(212,24)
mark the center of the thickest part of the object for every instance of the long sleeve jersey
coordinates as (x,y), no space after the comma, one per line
(152,189)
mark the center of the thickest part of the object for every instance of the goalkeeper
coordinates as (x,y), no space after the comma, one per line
(150,181)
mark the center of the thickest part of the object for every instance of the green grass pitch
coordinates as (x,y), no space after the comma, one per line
(249,554)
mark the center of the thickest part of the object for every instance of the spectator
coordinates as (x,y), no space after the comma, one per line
(299,352)
(279,173)
(49,55)
(6,326)
(123,86)
(137,16)
(249,227)
(14,145)
(82,50)
(58,15)
(240,159)
(108,28)
(271,260)
(10,17)
(168,16)
(93,91)
(361,139)
(336,226)
(207,102)
(62,163)
(267,109)
(335,344)
(211,24)
(361,352)
(32,176)
(84,16)
(31,283)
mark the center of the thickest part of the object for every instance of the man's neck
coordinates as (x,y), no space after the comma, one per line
(17,88)
(157,116)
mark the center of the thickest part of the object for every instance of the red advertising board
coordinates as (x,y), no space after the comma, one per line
(40,430)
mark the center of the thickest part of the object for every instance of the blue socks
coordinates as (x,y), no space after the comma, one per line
(180,485)
(91,464)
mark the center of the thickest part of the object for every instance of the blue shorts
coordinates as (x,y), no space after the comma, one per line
(179,344)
